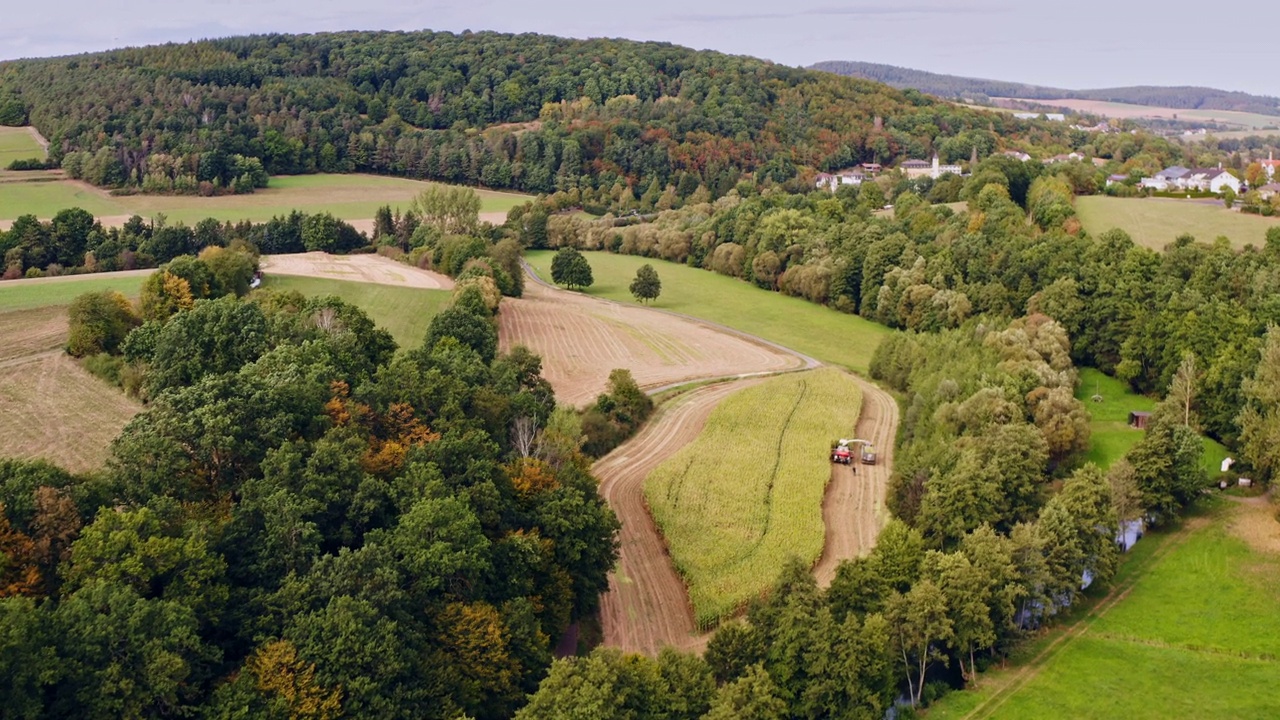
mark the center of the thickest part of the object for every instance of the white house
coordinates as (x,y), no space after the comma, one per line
(830,182)
(1171,178)
(1016,155)
(1214,180)
(1266,192)
(915,168)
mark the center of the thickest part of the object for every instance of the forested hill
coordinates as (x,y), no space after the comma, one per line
(528,112)
(950,86)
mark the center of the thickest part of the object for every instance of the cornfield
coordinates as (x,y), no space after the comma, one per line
(745,496)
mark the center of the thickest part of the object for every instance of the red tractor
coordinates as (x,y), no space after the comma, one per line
(842,454)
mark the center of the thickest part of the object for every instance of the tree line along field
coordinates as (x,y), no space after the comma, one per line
(747,494)
(1156,222)
(51,407)
(346,197)
(820,332)
(17,143)
(1191,629)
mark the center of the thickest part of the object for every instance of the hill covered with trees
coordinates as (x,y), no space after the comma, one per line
(528,112)
(951,86)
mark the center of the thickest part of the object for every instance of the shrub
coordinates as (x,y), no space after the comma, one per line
(99,323)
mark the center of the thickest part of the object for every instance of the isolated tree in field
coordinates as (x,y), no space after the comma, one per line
(646,286)
(452,210)
(571,269)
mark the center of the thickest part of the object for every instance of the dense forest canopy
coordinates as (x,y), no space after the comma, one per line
(529,112)
(950,86)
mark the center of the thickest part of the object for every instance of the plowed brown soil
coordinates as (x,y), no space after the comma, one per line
(581,339)
(647,607)
(853,508)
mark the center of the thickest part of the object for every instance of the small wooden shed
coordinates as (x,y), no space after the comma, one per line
(1138,420)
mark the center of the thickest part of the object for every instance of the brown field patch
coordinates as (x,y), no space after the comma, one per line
(647,606)
(358,268)
(1254,521)
(582,339)
(32,331)
(52,408)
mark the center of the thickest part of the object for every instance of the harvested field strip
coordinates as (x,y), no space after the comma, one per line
(647,606)
(51,408)
(748,494)
(581,339)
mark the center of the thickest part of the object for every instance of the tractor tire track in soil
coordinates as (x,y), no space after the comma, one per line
(647,607)
(853,508)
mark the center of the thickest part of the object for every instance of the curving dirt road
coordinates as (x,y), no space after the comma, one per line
(647,606)
(853,508)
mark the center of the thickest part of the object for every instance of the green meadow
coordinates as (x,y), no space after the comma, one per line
(1156,222)
(404,312)
(832,337)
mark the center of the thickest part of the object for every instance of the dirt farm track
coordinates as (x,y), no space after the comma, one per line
(581,339)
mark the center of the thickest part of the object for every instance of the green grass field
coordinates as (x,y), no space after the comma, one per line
(747,494)
(402,311)
(24,294)
(1110,435)
(1156,222)
(349,197)
(829,336)
(18,144)
(1198,635)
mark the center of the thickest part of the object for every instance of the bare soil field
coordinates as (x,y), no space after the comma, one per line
(582,339)
(853,508)
(1255,523)
(50,407)
(647,607)
(359,268)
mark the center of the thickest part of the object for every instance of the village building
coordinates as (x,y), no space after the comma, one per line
(1016,155)
(1266,192)
(1116,180)
(920,168)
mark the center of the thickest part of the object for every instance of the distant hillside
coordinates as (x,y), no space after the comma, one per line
(950,86)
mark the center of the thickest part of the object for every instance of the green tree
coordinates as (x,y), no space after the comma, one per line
(754,695)
(1259,419)
(451,209)
(571,269)
(921,623)
(99,323)
(646,286)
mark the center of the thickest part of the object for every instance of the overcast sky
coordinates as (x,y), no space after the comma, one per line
(1080,44)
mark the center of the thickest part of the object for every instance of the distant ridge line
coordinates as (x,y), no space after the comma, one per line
(953,86)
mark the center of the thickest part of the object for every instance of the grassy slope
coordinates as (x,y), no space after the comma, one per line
(1197,636)
(20,294)
(350,197)
(17,144)
(1156,222)
(1111,437)
(404,312)
(747,494)
(830,336)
